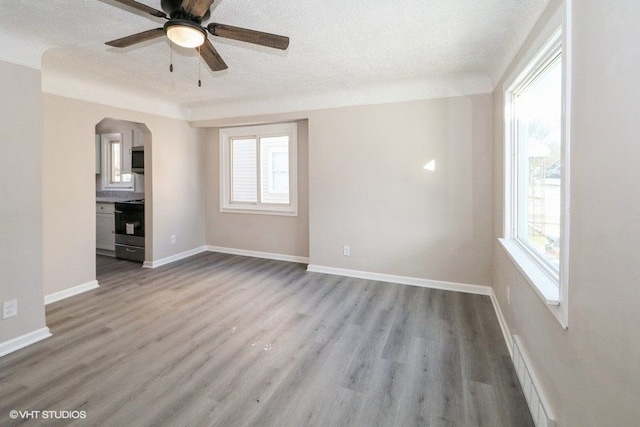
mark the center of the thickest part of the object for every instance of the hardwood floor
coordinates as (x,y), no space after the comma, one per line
(223,340)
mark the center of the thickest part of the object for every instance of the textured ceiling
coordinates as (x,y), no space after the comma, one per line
(334,45)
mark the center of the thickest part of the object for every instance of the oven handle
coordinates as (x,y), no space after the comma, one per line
(115,211)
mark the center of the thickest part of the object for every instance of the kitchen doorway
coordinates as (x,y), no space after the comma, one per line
(123,182)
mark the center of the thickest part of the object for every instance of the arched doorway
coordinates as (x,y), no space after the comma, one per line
(123,191)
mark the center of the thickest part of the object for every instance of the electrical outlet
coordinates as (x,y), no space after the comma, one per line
(10,309)
(508,295)
(346,251)
(173,239)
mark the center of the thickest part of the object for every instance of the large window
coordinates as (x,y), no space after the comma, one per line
(537,112)
(537,167)
(258,167)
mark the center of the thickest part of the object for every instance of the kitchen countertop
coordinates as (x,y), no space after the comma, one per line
(115,199)
(117,196)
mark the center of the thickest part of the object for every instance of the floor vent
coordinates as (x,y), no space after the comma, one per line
(537,403)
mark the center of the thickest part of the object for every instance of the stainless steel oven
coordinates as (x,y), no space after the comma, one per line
(129,222)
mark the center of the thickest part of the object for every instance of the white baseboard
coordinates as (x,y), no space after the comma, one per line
(57,296)
(257,254)
(174,258)
(503,323)
(24,341)
(403,280)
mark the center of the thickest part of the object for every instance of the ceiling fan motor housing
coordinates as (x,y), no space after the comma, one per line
(173,9)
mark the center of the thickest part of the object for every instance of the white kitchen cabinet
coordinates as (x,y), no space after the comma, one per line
(127,143)
(105,227)
(98,155)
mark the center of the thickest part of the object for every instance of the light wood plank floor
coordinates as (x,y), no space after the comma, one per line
(223,340)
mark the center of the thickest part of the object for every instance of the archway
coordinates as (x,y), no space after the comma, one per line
(121,176)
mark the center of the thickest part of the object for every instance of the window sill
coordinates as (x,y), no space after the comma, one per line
(259,211)
(544,286)
(117,188)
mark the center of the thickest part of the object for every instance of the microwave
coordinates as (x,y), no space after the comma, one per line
(137,159)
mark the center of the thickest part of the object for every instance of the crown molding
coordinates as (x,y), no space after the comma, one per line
(20,51)
(69,86)
(447,86)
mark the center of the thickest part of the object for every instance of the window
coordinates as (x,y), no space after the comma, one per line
(537,166)
(537,109)
(117,162)
(258,166)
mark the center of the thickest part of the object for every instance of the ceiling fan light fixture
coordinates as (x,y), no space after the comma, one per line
(185,33)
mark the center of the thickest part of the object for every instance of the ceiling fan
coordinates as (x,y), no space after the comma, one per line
(184,28)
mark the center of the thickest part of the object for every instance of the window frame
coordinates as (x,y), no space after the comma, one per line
(226,136)
(107,141)
(549,285)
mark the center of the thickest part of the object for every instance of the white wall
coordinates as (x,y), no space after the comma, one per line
(174,187)
(591,371)
(21,199)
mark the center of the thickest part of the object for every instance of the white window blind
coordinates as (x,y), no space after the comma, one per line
(258,169)
(244,157)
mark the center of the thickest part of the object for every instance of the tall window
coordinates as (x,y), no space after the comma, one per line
(117,162)
(537,108)
(258,167)
(537,166)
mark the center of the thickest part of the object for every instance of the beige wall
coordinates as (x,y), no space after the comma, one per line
(282,235)
(174,186)
(21,199)
(368,190)
(591,371)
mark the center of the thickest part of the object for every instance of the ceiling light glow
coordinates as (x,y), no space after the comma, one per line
(185,33)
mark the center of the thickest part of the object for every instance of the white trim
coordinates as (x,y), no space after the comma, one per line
(550,28)
(542,284)
(57,296)
(106,143)
(174,258)
(257,254)
(403,280)
(226,136)
(506,333)
(563,312)
(24,341)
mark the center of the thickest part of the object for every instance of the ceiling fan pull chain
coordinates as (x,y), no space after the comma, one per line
(171,57)
(199,67)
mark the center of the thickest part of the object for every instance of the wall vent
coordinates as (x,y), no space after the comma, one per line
(537,403)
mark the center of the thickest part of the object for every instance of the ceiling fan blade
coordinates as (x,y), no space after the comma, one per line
(137,38)
(197,7)
(249,36)
(143,7)
(212,57)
